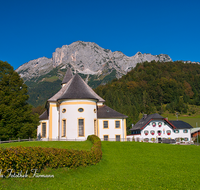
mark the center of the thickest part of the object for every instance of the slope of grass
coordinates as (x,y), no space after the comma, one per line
(192,119)
(125,165)
(75,145)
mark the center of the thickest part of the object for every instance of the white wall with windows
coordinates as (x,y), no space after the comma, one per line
(156,130)
(43,129)
(79,116)
(111,129)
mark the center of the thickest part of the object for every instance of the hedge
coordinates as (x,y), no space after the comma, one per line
(28,158)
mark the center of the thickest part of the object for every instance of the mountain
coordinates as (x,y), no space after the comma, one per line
(95,64)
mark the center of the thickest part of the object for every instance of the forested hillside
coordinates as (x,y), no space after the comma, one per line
(154,87)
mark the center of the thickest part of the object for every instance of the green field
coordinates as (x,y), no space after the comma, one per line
(192,120)
(125,165)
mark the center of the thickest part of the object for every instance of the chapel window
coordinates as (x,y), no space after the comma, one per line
(105,137)
(80,109)
(63,128)
(117,124)
(81,127)
(44,130)
(105,124)
(117,137)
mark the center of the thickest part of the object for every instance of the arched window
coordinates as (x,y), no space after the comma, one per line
(168,132)
(152,132)
(159,132)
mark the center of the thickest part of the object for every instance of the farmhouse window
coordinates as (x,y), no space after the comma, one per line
(185,131)
(81,127)
(159,124)
(44,130)
(168,132)
(154,124)
(146,132)
(146,140)
(105,124)
(159,132)
(176,131)
(152,132)
(185,139)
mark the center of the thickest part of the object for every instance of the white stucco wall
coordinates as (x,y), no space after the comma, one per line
(163,128)
(39,128)
(72,115)
(111,131)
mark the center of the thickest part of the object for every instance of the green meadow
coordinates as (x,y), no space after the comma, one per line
(124,165)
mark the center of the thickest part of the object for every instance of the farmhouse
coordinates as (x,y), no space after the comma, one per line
(76,111)
(155,128)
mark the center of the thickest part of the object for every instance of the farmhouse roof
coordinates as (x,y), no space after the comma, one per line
(44,115)
(67,76)
(107,112)
(181,124)
(145,120)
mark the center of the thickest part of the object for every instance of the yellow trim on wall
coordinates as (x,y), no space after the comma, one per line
(119,124)
(106,135)
(83,127)
(42,130)
(64,135)
(108,124)
(95,127)
(98,128)
(50,120)
(125,128)
(75,103)
(119,137)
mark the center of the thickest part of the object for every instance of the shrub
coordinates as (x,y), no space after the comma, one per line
(28,158)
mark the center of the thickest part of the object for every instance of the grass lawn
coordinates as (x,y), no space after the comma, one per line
(125,165)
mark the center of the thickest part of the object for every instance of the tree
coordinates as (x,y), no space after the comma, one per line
(16,118)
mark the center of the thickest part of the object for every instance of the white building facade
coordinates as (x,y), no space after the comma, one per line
(76,111)
(155,128)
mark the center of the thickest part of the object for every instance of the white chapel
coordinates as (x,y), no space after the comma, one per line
(76,111)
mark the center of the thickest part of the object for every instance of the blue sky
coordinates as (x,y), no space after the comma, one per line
(32,29)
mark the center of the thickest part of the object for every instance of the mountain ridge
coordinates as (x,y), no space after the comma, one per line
(86,58)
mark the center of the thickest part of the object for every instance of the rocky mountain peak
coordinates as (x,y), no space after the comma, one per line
(86,58)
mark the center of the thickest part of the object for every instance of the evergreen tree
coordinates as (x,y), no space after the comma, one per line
(16,118)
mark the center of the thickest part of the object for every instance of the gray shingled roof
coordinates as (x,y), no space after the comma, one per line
(142,122)
(78,89)
(106,112)
(181,124)
(59,93)
(67,76)
(44,115)
(75,88)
